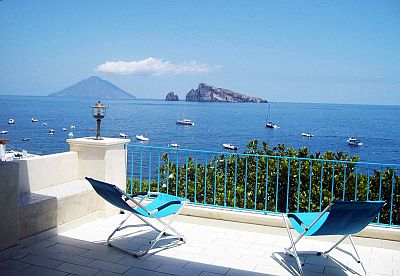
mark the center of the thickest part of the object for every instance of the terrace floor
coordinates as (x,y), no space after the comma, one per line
(218,248)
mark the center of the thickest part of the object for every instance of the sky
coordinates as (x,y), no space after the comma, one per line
(283,51)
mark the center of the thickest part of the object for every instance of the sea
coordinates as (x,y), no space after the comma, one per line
(377,126)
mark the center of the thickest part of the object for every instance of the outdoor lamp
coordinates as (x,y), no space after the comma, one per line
(98,111)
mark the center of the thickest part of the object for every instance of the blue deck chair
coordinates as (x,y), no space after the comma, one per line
(161,205)
(338,218)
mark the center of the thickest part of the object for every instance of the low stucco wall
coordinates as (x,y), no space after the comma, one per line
(9,206)
(45,171)
(44,192)
(276,221)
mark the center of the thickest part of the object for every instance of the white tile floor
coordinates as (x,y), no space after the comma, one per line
(209,250)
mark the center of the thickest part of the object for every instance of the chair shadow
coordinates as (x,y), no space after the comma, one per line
(137,241)
(289,263)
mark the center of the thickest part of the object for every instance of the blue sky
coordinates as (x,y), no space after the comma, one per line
(297,51)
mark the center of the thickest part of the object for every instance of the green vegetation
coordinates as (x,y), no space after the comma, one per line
(274,180)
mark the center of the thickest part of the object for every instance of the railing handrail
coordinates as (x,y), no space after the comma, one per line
(267,156)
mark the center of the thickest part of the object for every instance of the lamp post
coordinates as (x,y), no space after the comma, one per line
(98,111)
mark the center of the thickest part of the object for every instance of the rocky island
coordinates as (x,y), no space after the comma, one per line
(171,96)
(94,87)
(209,93)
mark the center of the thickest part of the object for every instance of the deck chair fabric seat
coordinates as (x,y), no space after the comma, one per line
(338,218)
(146,205)
(345,217)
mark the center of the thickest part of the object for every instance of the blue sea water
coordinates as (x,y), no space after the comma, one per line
(215,124)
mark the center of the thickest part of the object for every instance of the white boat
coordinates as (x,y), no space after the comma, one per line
(72,127)
(70,134)
(354,142)
(64,129)
(34,120)
(174,145)
(185,122)
(309,135)
(26,139)
(3,132)
(123,135)
(51,131)
(269,123)
(45,124)
(230,146)
(142,138)
(11,121)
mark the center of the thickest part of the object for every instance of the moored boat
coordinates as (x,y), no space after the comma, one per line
(34,120)
(26,139)
(309,135)
(271,125)
(185,122)
(142,138)
(230,146)
(3,132)
(70,134)
(354,142)
(51,131)
(123,135)
(174,145)
(11,121)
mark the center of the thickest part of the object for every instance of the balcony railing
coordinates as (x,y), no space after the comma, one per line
(263,183)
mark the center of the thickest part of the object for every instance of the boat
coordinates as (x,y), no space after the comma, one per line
(51,131)
(72,127)
(3,132)
(123,135)
(34,120)
(26,139)
(230,146)
(269,123)
(70,134)
(174,145)
(142,138)
(11,121)
(309,135)
(185,122)
(354,142)
(64,129)
(45,124)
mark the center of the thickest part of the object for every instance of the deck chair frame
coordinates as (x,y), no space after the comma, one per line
(137,199)
(291,250)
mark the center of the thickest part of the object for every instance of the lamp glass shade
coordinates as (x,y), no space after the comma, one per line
(99,111)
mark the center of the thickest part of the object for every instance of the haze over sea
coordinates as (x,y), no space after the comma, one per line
(215,124)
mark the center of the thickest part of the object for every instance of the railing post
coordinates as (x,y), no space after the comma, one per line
(277,183)
(266,183)
(256,186)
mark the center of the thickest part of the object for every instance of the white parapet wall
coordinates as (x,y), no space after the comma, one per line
(45,171)
(45,192)
(101,159)
(9,207)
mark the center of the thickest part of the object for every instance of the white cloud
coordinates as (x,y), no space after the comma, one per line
(152,66)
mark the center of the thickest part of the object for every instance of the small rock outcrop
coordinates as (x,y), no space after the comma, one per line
(209,93)
(171,96)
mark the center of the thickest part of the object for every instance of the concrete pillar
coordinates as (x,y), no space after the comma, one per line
(102,159)
(9,204)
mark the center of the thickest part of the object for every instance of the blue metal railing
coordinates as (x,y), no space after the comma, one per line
(263,183)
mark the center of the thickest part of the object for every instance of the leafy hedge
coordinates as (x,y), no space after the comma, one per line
(259,180)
